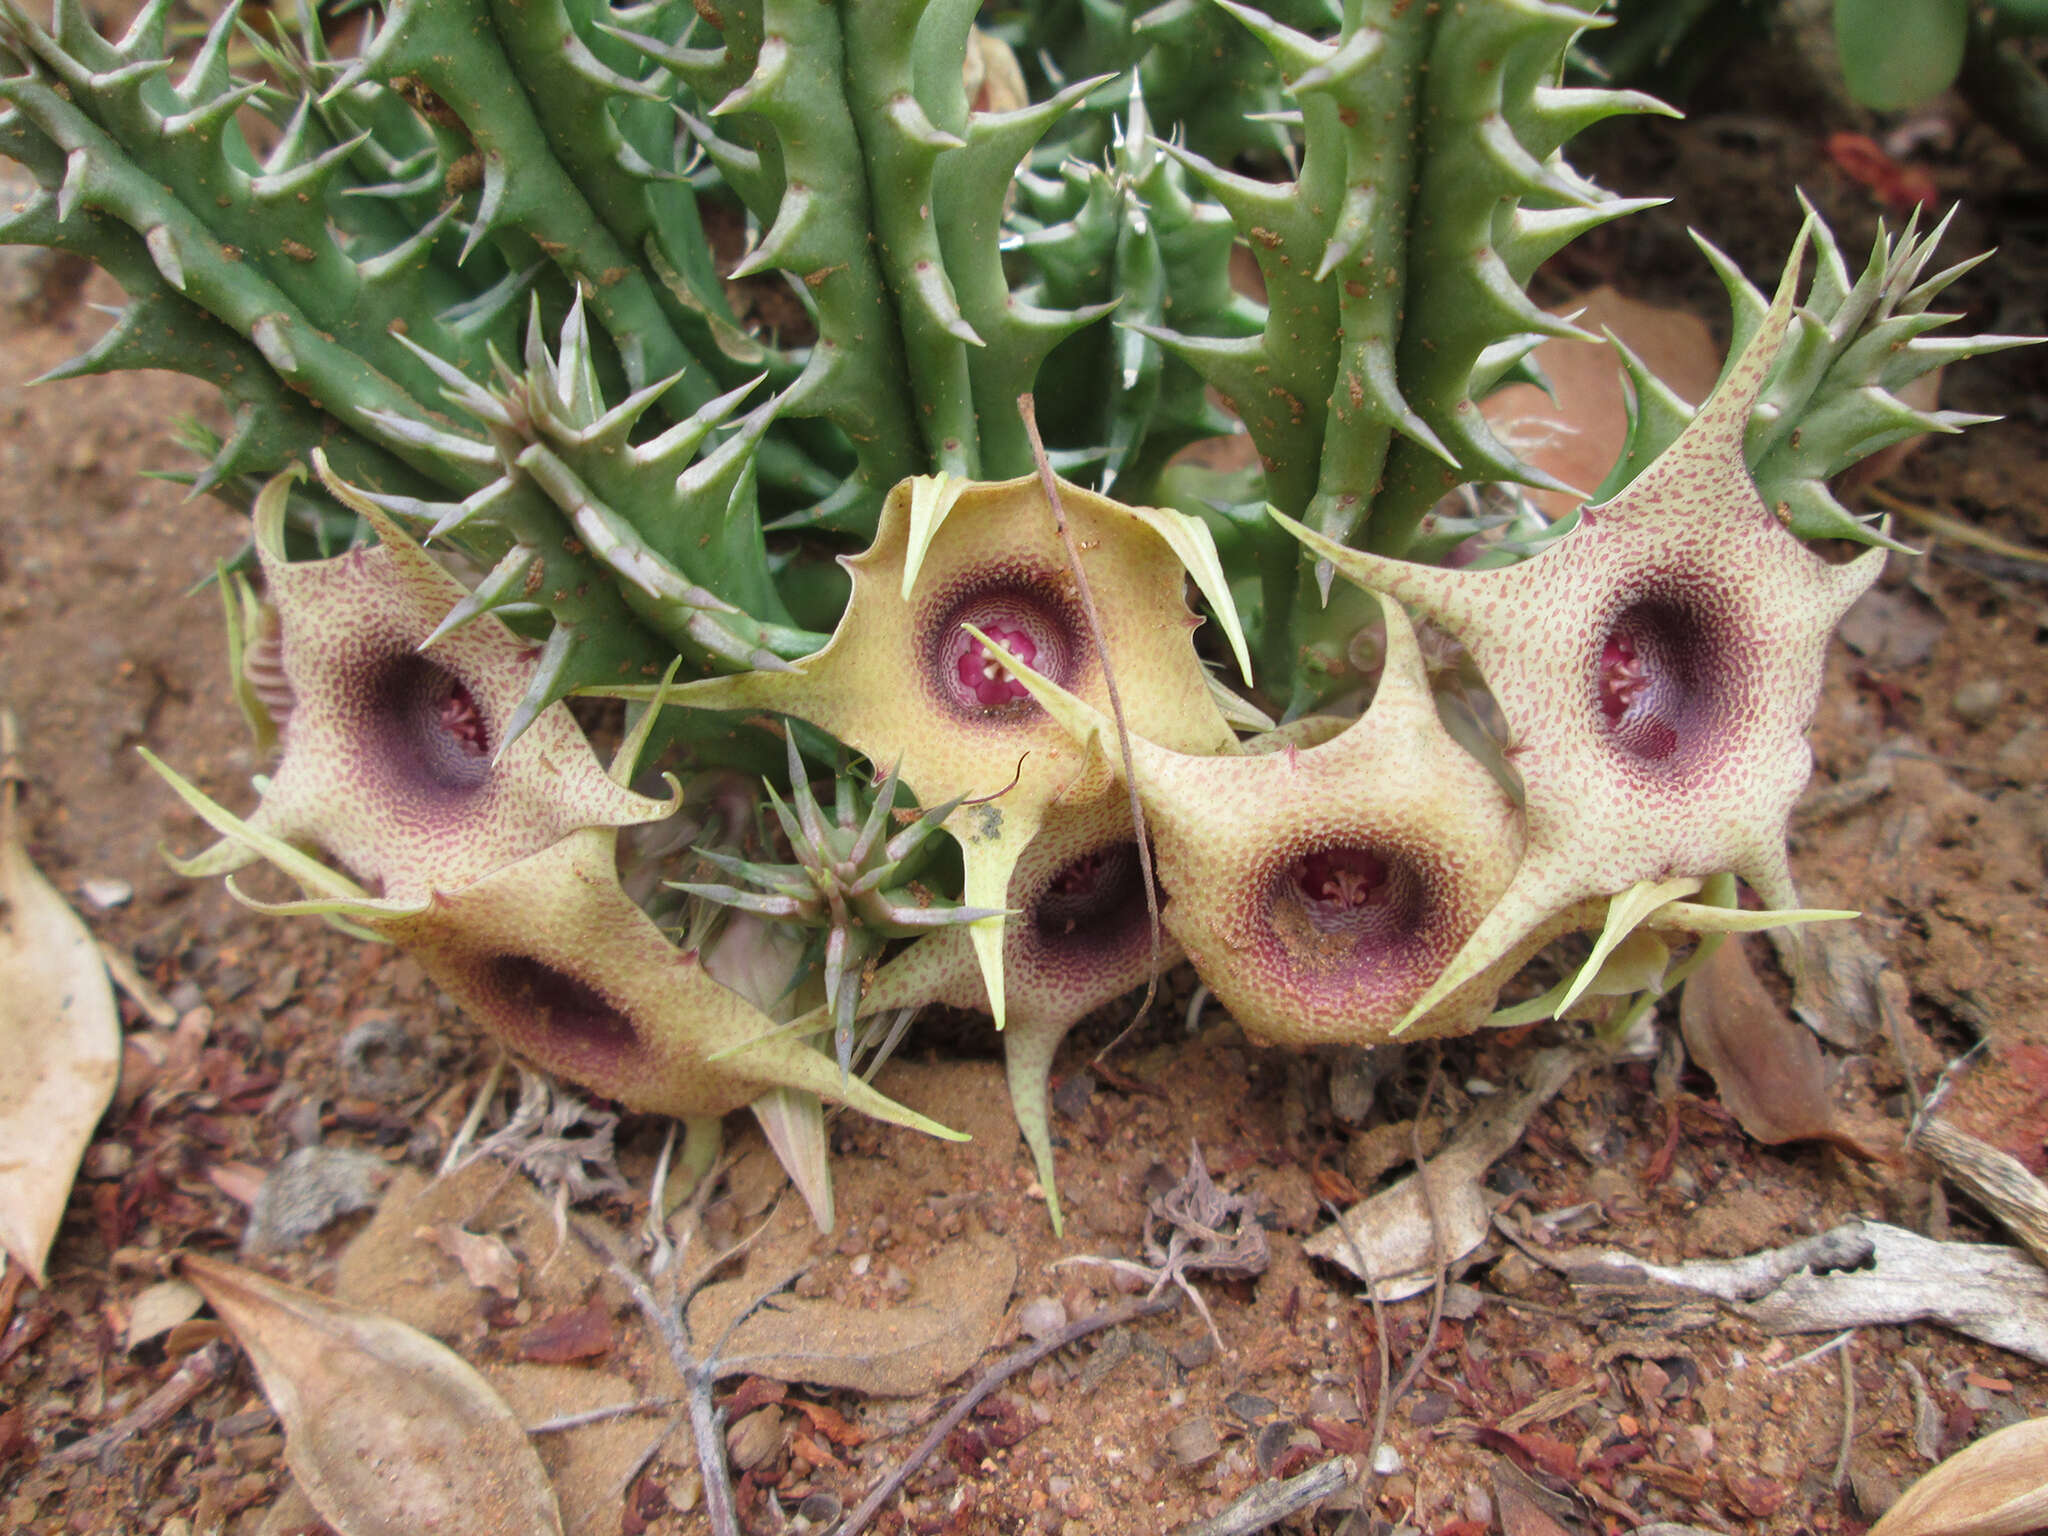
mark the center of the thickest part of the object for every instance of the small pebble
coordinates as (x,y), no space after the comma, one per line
(1042,1317)
(1977,701)
(756,1438)
(106,894)
(1329,1401)
(1461,1302)
(2025,757)
(1386,1461)
(107,1160)
(1194,1441)
(1272,1442)
(311,1188)
(1250,1407)
(820,1507)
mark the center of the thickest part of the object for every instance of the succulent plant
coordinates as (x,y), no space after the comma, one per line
(470,268)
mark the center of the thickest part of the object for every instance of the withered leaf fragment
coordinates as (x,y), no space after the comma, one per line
(1997,1487)
(60,1038)
(388,1432)
(1770,1070)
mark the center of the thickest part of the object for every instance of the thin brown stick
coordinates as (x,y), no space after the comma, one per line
(1028,409)
(987,1382)
(706,1429)
(201,1370)
(1848,1364)
(1437,1257)
(1015,779)
(602,1415)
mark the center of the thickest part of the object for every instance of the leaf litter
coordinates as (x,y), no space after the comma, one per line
(1770,1070)
(1858,1274)
(1395,1241)
(387,1431)
(1996,1487)
(60,1035)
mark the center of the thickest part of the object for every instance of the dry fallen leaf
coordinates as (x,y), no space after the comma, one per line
(1770,1070)
(159,1309)
(60,1035)
(1997,1487)
(1392,1241)
(388,1432)
(947,1324)
(486,1262)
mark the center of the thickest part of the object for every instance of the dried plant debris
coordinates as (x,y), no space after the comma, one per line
(1770,1069)
(949,1321)
(1996,1180)
(1195,1227)
(1997,1487)
(1392,1241)
(559,1141)
(309,1191)
(1860,1274)
(388,1432)
(60,1036)
(160,1308)
(1834,973)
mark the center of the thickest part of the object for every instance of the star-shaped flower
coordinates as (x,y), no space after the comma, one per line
(550,955)
(1320,890)
(903,681)
(394,759)
(1657,667)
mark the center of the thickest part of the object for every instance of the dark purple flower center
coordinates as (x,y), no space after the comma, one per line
(563,1016)
(1667,677)
(427,729)
(1341,880)
(1095,905)
(461,719)
(1025,612)
(1622,679)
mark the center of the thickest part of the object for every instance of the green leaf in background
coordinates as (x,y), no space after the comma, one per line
(1898,53)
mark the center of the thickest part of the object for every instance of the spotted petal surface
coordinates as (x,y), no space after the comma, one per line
(395,760)
(1658,667)
(903,682)
(1320,891)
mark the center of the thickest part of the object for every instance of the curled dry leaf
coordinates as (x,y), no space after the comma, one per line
(60,1036)
(1770,1070)
(1997,1487)
(388,1432)
(159,1309)
(487,1263)
(1392,1241)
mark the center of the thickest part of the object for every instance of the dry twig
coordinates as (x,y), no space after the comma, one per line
(201,1370)
(1266,1504)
